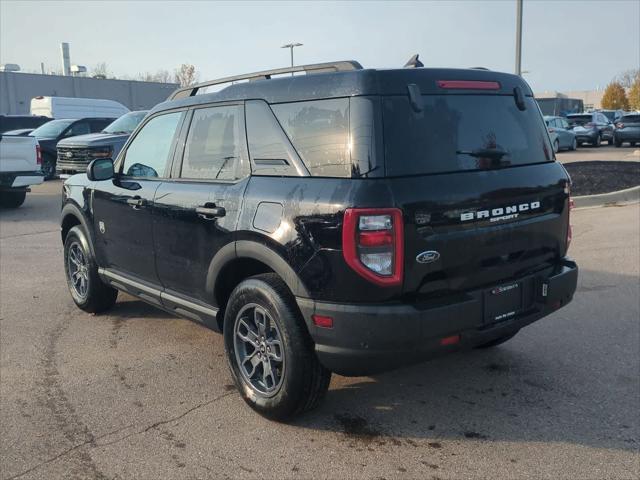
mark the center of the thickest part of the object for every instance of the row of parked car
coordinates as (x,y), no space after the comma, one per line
(61,138)
(574,130)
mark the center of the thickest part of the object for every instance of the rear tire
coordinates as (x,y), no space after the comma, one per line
(617,143)
(610,141)
(48,166)
(262,323)
(12,199)
(88,291)
(556,146)
(574,145)
(597,141)
(498,341)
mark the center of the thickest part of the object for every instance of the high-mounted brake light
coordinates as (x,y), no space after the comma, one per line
(373,244)
(468,84)
(38,155)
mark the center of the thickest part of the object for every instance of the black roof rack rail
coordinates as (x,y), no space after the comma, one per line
(340,66)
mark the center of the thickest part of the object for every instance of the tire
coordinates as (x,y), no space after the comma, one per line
(610,141)
(48,166)
(597,141)
(95,296)
(498,341)
(617,143)
(574,145)
(12,199)
(556,146)
(298,381)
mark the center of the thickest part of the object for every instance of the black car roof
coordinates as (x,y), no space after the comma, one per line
(355,82)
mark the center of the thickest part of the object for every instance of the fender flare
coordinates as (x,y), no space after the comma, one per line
(72,210)
(256,251)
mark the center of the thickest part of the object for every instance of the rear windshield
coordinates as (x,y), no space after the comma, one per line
(579,119)
(630,119)
(462,132)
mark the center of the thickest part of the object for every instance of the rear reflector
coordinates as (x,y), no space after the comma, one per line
(468,84)
(452,340)
(322,321)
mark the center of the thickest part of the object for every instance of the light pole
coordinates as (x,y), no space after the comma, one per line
(291,46)
(519,37)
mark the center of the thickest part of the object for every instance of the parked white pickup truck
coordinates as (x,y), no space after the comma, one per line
(20,167)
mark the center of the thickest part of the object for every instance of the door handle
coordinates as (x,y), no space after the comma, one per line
(210,212)
(136,202)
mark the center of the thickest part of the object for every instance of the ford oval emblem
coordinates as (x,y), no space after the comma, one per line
(429,256)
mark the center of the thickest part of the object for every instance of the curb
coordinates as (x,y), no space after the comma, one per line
(628,195)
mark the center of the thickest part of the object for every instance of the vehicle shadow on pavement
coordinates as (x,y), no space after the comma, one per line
(556,381)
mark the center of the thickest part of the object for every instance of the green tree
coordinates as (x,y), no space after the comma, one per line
(614,97)
(634,95)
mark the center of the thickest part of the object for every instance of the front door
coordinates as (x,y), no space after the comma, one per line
(123,206)
(196,212)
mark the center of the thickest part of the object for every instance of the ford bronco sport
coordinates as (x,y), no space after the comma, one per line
(347,220)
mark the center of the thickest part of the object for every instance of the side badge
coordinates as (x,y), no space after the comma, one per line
(101,226)
(429,256)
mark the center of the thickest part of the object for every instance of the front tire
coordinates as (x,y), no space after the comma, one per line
(12,199)
(48,166)
(269,351)
(597,141)
(556,146)
(574,145)
(81,271)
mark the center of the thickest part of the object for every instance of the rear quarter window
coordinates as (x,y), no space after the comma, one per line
(319,131)
(460,133)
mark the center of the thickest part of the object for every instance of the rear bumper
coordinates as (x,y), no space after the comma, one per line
(19,180)
(367,339)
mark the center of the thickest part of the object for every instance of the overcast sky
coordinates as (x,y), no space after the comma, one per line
(567,44)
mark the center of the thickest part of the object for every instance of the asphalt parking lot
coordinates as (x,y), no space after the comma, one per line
(141,394)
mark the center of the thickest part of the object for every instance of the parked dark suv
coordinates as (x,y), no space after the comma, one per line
(348,220)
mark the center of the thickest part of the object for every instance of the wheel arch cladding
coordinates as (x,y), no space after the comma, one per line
(71,217)
(229,268)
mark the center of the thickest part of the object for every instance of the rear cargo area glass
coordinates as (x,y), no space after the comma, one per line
(456,133)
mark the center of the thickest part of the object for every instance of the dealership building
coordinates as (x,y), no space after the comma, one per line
(17,89)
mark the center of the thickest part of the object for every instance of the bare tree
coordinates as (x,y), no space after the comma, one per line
(100,70)
(627,77)
(186,75)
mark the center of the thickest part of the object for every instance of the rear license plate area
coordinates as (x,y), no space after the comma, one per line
(503,302)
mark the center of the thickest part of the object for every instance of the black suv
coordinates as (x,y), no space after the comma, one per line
(348,220)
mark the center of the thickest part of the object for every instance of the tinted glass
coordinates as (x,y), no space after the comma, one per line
(319,131)
(148,153)
(630,119)
(51,129)
(579,119)
(462,132)
(127,123)
(80,128)
(268,145)
(212,150)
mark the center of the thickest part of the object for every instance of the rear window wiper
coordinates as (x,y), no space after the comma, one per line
(492,153)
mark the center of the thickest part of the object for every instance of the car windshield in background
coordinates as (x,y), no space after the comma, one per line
(51,129)
(462,132)
(629,119)
(611,115)
(127,123)
(579,119)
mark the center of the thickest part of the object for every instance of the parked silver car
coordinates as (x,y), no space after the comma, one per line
(562,137)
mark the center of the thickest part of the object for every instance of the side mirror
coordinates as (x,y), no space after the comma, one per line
(100,169)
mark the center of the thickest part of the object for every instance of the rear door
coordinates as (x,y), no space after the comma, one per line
(122,207)
(196,211)
(477,182)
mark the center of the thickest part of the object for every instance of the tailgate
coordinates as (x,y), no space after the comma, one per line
(18,154)
(478,228)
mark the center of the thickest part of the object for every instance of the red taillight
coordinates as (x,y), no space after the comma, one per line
(619,125)
(452,340)
(571,206)
(38,155)
(373,244)
(468,84)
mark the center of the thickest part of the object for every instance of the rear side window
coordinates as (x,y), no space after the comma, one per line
(319,131)
(148,153)
(212,150)
(630,119)
(462,132)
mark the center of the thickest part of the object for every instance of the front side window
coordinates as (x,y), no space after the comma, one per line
(149,152)
(51,129)
(213,147)
(80,128)
(319,131)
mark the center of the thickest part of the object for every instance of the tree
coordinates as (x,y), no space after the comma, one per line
(628,77)
(186,75)
(614,97)
(100,70)
(161,76)
(634,94)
